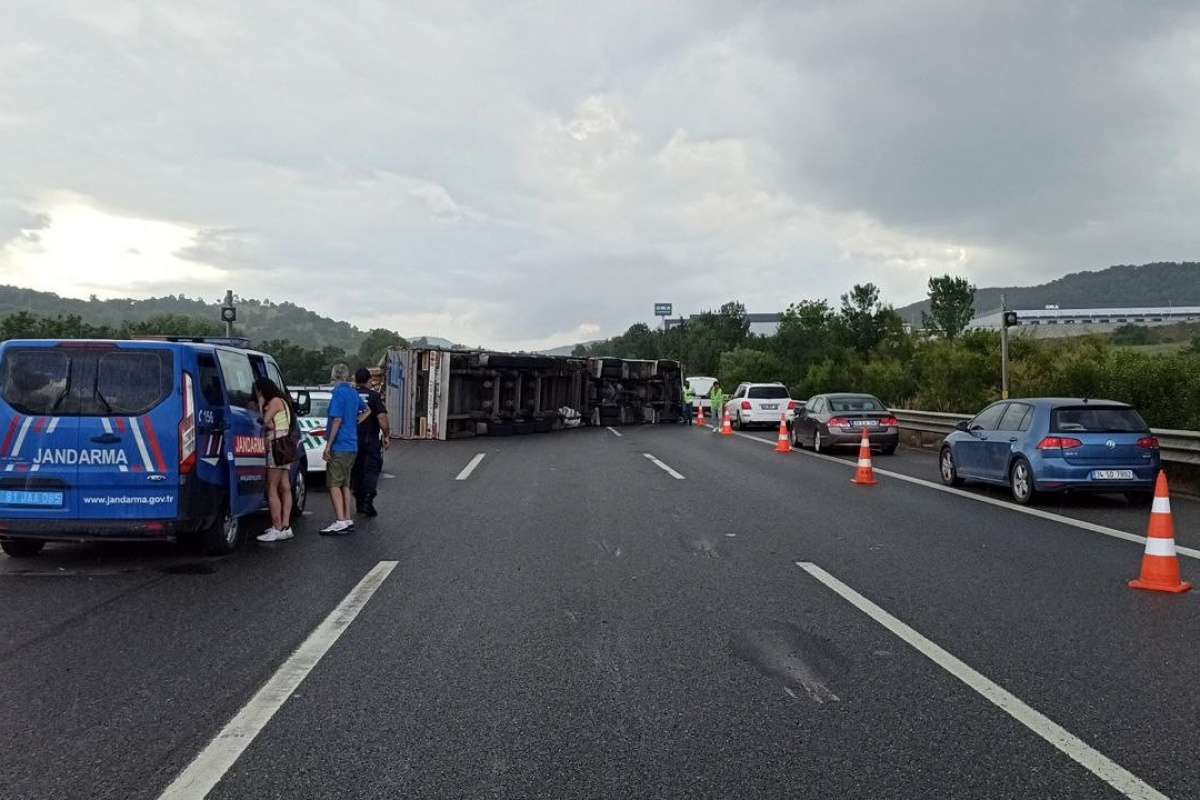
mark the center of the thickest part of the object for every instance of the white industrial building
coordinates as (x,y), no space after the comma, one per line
(1055,321)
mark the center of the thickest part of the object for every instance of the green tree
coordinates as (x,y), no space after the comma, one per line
(866,319)
(375,345)
(743,364)
(951,306)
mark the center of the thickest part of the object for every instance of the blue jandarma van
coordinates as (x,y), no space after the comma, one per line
(131,440)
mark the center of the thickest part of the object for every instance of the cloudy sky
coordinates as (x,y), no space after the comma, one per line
(528,174)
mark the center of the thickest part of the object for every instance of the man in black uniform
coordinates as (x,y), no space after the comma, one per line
(374,436)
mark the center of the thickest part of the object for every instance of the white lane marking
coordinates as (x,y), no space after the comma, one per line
(470,467)
(207,769)
(1079,751)
(664,467)
(614,431)
(1190,552)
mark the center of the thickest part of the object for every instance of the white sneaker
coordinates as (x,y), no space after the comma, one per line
(285,534)
(338,528)
(271,535)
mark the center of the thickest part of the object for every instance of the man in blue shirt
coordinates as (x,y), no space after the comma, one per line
(346,410)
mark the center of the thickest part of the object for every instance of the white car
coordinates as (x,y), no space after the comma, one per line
(700,386)
(761,404)
(312,421)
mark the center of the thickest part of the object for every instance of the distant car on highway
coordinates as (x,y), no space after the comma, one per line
(760,404)
(838,420)
(312,415)
(700,386)
(1054,445)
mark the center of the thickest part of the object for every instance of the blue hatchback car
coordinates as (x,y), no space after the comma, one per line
(131,440)
(1051,444)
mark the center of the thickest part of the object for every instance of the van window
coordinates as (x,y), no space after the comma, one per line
(239,378)
(210,380)
(104,381)
(128,383)
(276,378)
(35,381)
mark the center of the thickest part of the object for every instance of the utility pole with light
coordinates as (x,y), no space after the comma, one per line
(228,313)
(1007,320)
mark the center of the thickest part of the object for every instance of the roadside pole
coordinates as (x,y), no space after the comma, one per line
(228,313)
(1003,348)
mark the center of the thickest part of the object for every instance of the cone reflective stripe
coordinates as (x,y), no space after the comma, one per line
(865,474)
(699,416)
(784,445)
(726,427)
(1160,563)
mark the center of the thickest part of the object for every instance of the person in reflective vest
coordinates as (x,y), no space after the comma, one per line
(716,399)
(689,401)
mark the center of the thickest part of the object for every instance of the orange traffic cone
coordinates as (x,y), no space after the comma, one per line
(785,443)
(1160,564)
(726,426)
(865,476)
(699,416)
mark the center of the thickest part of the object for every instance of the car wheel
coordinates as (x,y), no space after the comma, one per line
(223,535)
(299,494)
(817,441)
(22,548)
(947,468)
(1020,481)
(795,434)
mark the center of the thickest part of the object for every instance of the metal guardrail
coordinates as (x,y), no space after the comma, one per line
(1178,446)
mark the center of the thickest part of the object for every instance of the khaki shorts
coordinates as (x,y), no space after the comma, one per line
(338,469)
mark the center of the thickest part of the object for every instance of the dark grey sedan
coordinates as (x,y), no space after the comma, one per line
(838,420)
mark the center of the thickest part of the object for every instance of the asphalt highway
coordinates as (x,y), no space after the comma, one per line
(660,613)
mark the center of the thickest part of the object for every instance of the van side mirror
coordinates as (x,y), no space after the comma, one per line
(962,426)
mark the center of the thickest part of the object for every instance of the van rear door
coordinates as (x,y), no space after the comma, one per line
(244,445)
(38,455)
(130,409)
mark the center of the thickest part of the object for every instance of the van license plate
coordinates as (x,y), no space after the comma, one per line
(1112,474)
(19,498)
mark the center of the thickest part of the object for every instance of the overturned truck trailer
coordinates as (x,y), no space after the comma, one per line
(449,394)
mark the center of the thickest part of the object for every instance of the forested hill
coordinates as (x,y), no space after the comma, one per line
(1159,284)
(258,320)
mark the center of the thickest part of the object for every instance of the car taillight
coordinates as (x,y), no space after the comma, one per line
(746,405)
(793,405)
(838,422)
(187,429)
(1059,443)
(890,422)
(1148,443)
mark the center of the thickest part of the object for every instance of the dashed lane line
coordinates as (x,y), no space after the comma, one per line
(470,467)
(614,431)
(1075,748)
(199,778)
(664,467)
(1092,527)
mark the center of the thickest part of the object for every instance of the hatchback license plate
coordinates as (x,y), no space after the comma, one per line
(770,406)
(19,498)
(864,423)
(1112,474)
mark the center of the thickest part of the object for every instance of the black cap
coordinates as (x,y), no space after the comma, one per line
(362,375)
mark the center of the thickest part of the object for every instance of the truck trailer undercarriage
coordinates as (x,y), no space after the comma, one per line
(451,394)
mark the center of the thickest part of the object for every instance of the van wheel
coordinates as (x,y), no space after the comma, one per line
(222,536)
(22,548)
(299,494)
